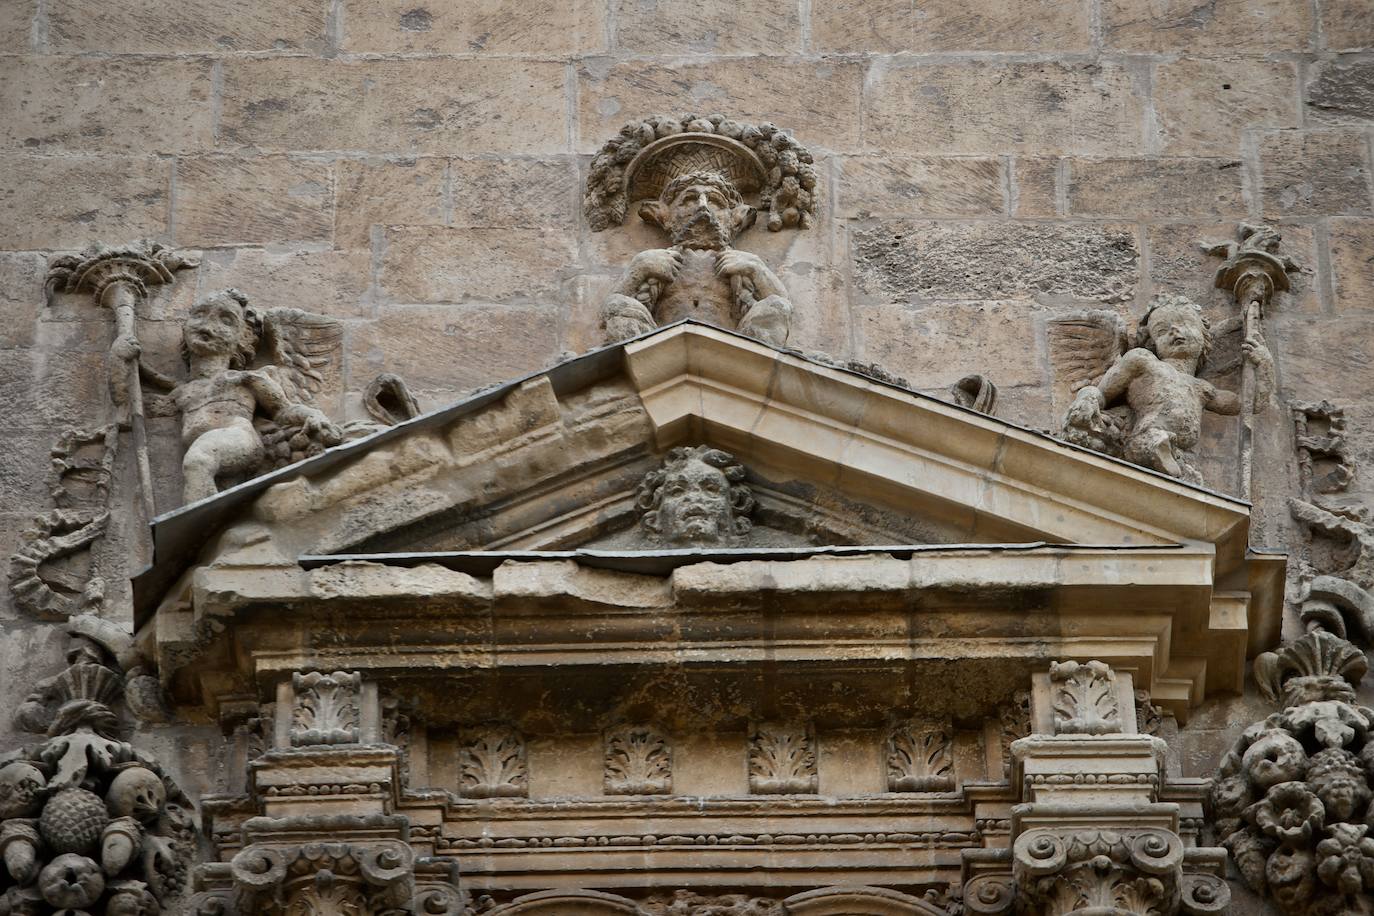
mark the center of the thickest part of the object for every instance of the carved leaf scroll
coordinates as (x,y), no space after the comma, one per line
(492,763)
(639,761)
(782,759)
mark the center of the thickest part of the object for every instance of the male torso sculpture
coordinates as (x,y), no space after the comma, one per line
(700,276)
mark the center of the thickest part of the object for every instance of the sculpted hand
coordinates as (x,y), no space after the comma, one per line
(661,264)
(1086,410)
(1255,349)
(742,264)
(126,347)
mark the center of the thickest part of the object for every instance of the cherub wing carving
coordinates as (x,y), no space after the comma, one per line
(302,346)
(1083,347)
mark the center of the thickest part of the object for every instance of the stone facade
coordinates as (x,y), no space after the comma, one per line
(280,264)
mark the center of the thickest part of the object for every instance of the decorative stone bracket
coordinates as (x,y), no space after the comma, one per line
(1091,833)
(331,841)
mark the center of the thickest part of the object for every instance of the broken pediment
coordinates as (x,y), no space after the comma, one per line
(693,469)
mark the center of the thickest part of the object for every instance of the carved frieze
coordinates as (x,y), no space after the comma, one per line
(639,761)
(919,758)
(491,762)
(782,758)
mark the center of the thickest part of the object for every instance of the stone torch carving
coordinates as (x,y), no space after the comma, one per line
(118,278)
(87,822)
(247,405)
(1147,405)
(1253,272)
(697,498)
(692,175)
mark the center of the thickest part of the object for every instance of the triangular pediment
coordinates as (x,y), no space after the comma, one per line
(552,462)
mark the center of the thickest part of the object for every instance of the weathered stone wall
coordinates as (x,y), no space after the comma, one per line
(415,170)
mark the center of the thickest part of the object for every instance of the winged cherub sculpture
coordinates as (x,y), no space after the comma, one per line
(247,403)
(1146,404)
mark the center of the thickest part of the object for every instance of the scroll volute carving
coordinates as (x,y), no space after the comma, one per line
(782,758)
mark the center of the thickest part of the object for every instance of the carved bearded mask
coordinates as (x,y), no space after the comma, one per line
(696,499)
(702,210)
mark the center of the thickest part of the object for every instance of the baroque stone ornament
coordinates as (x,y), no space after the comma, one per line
(119,278)
(692,175)
(1146,404)
(491,763)
(1319,434)
(697,498)
(639,761)
(1341,599)
(248,403)
(1085,699)
(327,708)
(55,573)
(918,758)
(87,822)
(1291,800)
(782,758)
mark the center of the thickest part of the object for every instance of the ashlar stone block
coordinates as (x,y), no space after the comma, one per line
(108,104)
(1342,92)
(1314,173)
(816,99)
(65,201)
(979,107)
(1224,26)
(1347,25)
(374,192)
(223,200)
(1155,188)
(949,25)
(152,26)
(1202,106)
(476,26)
(395,106)
(1352,263)
(905,260)
(423,264)
(332,282)
(713,26)
(888,186)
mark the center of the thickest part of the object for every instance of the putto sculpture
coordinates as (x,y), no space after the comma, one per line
(697,498)
(692,175)
(247,404)
(1147,405)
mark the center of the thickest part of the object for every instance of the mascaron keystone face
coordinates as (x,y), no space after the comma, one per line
(696,499)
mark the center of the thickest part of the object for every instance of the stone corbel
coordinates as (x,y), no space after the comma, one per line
(1091,833)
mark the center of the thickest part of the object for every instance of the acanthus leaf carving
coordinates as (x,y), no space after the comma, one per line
(1084,698)
(782,758)
(639,761)
(919,758)
(492,763)
(327,708)
(1135,871)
